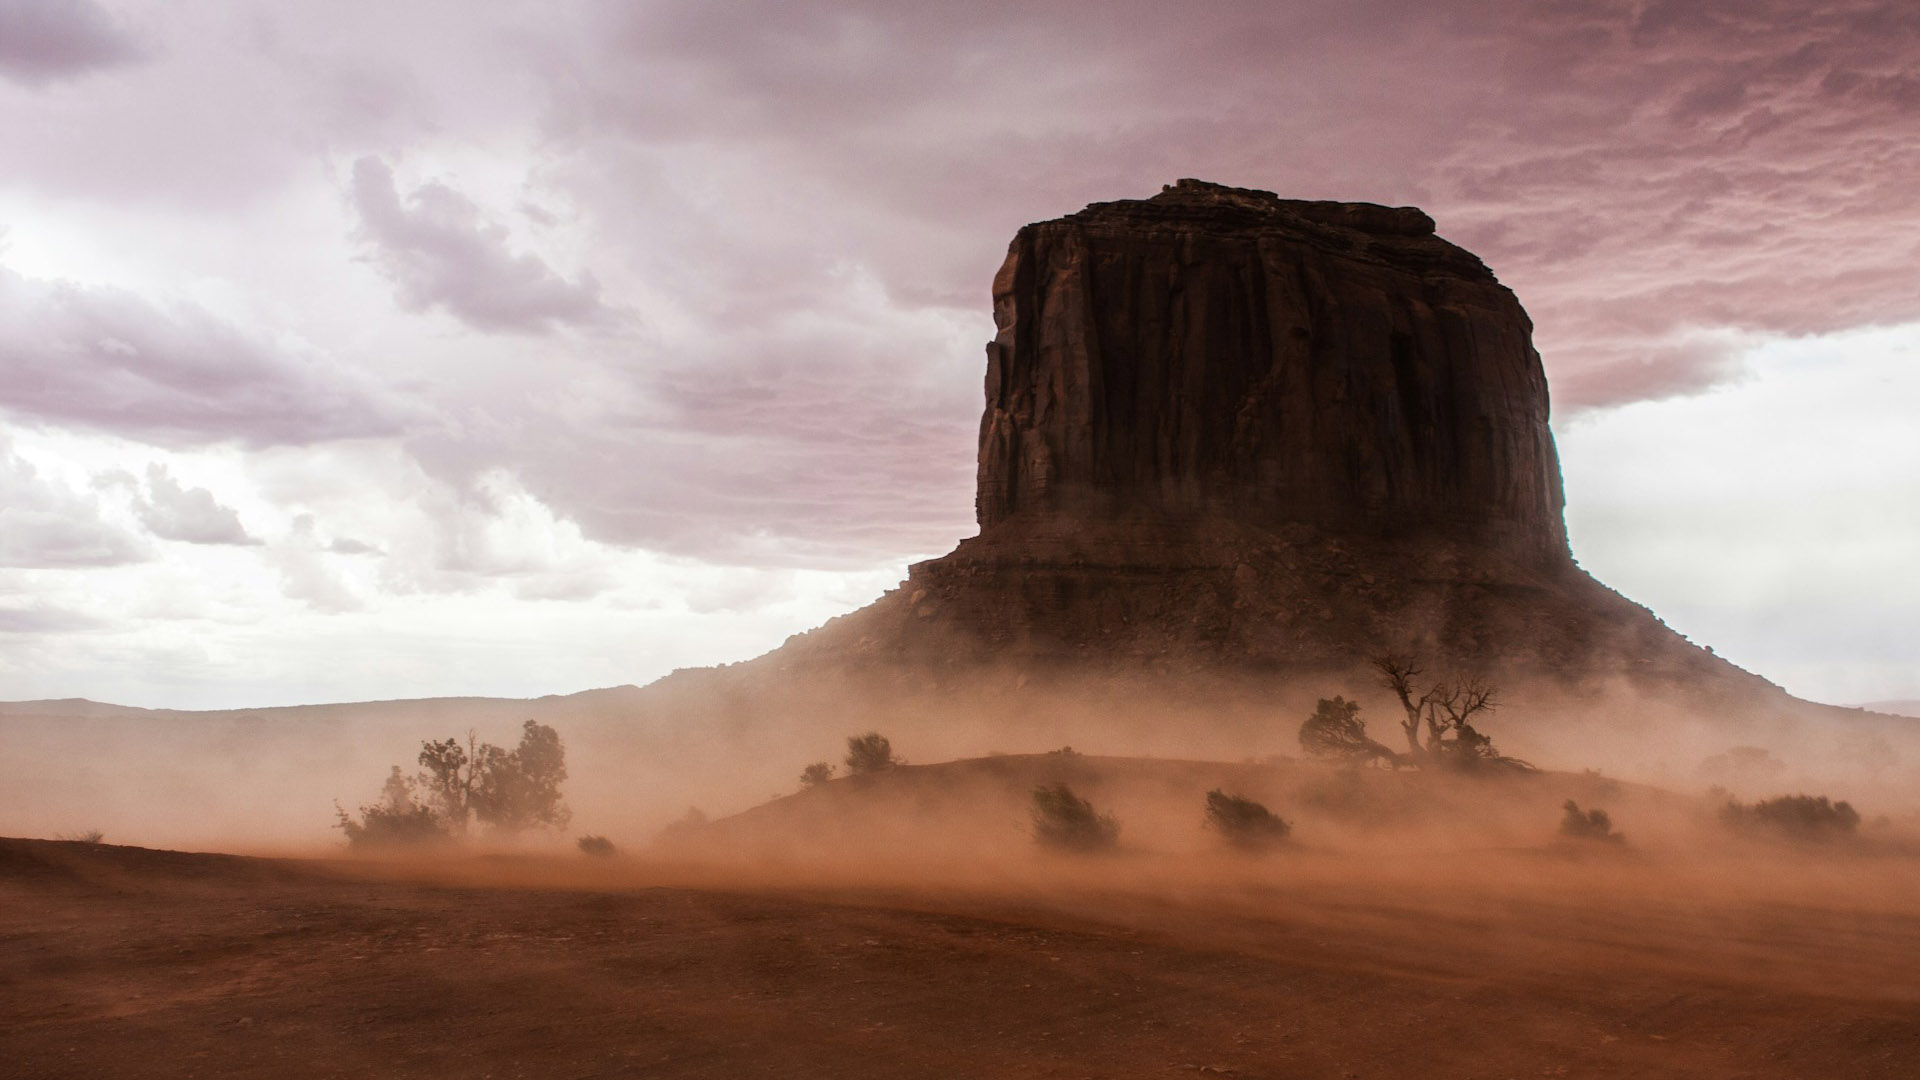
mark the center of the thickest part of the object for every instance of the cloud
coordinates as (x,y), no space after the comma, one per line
(46,526)
(441,252)
(347,545)
(809,201)
(45,620)
(190,515)
(105,360)
(44,41)
(305,575)
(1633,170)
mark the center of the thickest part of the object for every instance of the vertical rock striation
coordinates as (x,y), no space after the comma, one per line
(1219,353)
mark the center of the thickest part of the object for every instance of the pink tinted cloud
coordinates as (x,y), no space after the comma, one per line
(440,251)
(44,41)
(172,511)
(1657,181)
(106,360)
(1636,171)
(45,525)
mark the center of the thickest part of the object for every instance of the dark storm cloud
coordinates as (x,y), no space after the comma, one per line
(43,41)
(105,360)
(440,251)
(45,525)
(1636,171)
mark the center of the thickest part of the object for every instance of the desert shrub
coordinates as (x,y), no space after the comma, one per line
(508,791)
(1243,822)
(870,753)
(1806,817)
(816,774)
(597,846)
(1062,819)
(1336,731)
(397,820)
(689,826)
(1578,824)
(88,836)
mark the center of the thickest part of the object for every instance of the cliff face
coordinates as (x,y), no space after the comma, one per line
(1219,353)
(1226,430)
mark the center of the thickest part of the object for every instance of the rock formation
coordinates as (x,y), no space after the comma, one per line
(1229,430)
(1213,352)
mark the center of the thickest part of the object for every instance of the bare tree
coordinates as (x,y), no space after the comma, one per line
(1442,711)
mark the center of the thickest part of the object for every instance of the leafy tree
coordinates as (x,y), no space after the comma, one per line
(447,779)
(519,789)
(1064,820)
(1243,822)
(1336,731)
(1442,711)
(816,774)
(508,791)
(1578,824)
(870,753)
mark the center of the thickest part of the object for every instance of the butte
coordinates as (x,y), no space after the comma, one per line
(1253,438)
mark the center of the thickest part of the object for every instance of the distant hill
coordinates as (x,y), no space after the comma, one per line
(1895,708)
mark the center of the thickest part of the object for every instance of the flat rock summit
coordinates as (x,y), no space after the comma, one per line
(1229,431)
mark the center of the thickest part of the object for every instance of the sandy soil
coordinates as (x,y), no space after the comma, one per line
(124,962)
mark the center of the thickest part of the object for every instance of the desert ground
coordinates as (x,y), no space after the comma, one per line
(1408,943)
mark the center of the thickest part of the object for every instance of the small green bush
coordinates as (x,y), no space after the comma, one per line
(1243,822)
(816,774)
(1062,819)
(1578,824)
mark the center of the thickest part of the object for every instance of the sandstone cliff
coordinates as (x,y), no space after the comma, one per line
(1229,432)
(1214,352)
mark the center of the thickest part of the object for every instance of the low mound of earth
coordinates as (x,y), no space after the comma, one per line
(129,963)
(980,809)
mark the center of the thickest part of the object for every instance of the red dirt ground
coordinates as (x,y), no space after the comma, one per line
(125,962)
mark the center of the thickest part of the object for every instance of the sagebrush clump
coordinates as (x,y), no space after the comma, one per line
(1062,819)
(1800,817)
(1594,824)
(870,753)
(1243,822)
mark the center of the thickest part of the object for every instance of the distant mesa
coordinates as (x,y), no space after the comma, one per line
(1229,430)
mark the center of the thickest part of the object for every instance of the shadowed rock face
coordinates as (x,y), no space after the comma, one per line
(1220,353)
(1230,431)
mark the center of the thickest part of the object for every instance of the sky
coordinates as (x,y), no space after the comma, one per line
(377,350)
